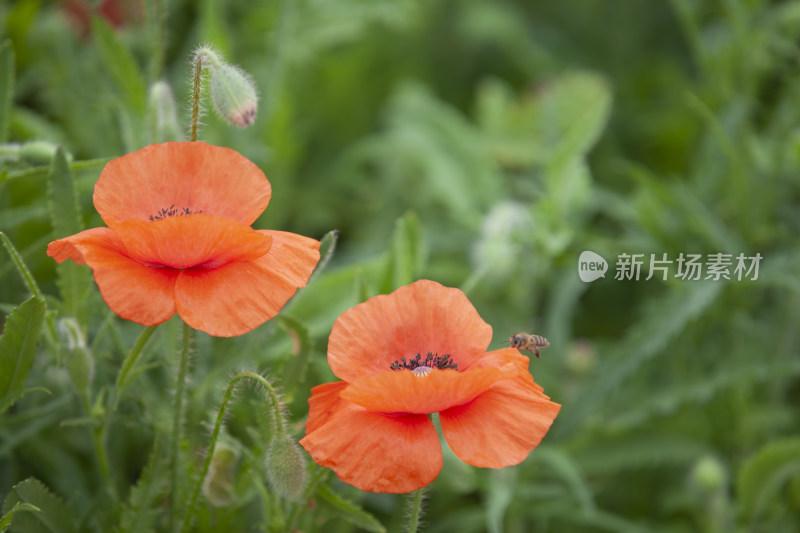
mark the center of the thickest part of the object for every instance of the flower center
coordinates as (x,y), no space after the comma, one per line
(172,211)
(422,368)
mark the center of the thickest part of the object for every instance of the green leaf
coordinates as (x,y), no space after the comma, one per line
(54,517)
(74,280)
(121,64)
(62,200)
(350,511)
(27,277)
(5,521)
(407,254)
(7,401)
(762,475)
(6,87)
(18,345)
(326,248)
(576,108)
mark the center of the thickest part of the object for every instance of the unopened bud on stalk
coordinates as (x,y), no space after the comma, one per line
(286,467)
(79,360)
(232,90)
(219,482)
(164,125)
(234,95)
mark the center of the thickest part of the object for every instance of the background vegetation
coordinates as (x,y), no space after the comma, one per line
(480,144)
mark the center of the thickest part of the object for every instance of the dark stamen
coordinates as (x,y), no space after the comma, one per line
(431,360)
(172,212)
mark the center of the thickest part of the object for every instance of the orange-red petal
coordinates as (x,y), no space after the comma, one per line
(504,357)
(183,175)
(323,403)
(418,318)
(500,427)
(377,452)
(133,291)
(399,391)
(189,241)
(238,297)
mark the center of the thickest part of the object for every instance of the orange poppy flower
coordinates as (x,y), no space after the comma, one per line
(403,356)
(179,240)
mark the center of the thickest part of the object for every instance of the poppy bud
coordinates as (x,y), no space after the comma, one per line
(164,125)
(286,468)
(221,476)
(708,475)
(234,94)
(79,361)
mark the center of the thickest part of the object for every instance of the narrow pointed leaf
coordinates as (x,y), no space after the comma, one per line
(22,331)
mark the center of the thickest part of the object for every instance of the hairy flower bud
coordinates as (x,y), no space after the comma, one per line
(234,94)
(79,361)
(286,467)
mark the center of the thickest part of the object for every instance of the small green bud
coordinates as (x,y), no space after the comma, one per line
(219,482)
(164,125)
(708,475)
(79,360)
(234,94)
(286,467)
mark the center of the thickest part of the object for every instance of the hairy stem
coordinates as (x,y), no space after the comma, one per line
(279,425)
(197,82)
(416,506)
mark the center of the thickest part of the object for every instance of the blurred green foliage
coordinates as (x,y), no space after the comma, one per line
(480,144)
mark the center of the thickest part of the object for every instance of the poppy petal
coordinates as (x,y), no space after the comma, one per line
(400,391)
(500,427)
(132,290)
(207,241)
(238,297)
(506,356)
(192,176)
(324,401)
(418,318)
(376,452)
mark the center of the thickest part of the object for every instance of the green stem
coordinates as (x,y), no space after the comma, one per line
(197,82)
(130,361)
(176,425)
(279,425)
(416,505)
(101,432)
(99,437)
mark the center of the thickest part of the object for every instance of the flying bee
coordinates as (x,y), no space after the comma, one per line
(530,343)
